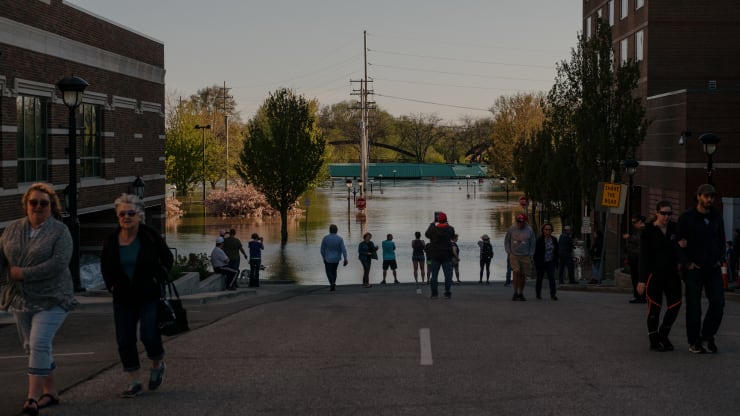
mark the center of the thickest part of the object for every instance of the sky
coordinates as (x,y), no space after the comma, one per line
(449,58)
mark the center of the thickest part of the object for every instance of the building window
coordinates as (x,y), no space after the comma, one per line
(625,8)
(639,4)
(639,38)
(91,152)
(611,12)
(31,139)
(623,45)
(588,27)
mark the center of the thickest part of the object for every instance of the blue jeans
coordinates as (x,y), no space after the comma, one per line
(549,268)
(37,330)
(566,262)
(254,272)
(447,270)
(126,318)
(331,272)
(709,278)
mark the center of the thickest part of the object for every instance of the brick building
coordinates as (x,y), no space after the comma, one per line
(689,58)
(120,123)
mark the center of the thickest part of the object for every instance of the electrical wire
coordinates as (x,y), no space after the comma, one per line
(443,58)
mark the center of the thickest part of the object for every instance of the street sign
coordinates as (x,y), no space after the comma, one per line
(360,204)
(610,195)
(523,201)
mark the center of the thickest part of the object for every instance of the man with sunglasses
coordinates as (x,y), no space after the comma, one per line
(702,238)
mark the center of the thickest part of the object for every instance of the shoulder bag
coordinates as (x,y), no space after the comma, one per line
(172,318)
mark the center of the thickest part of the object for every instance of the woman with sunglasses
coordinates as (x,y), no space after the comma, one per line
(135,261)
(34,256)
(659,275)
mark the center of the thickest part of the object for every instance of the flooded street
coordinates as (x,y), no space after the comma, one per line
(400,209)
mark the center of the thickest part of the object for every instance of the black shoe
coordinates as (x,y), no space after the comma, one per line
(539,297)
(697,349)
(667,344)
(657,347)
(638,300)
(522,298)
(711,346)
(332,288)
(448,295)
(434,296)
(553,297)
(383,282)
(515,297)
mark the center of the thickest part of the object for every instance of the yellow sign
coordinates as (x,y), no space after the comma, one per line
(610,195)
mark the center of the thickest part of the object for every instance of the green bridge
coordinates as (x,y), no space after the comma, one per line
(410,170)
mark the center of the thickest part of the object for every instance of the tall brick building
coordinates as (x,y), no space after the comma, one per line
(689,58)
(120,123)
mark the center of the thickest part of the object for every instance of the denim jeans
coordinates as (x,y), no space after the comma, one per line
(37,330)
(566,262)
(254,272)
(447,270)
(331,272)
(549,268)
(366,262)
(126,318)
(709,278)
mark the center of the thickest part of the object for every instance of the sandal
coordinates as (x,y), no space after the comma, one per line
(50,400)
(30,407)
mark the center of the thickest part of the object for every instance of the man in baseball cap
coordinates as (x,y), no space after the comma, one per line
(220,263)
(440,234)
(701,236)
(520,244)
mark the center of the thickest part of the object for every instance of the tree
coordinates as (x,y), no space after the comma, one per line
(515,119)
(418,133)
(284,153)
(183,148)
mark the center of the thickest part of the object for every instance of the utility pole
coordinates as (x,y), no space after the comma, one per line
(226,109)
(365,106)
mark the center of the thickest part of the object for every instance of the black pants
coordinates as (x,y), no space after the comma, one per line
(659,284)
(710,280)
(231,275)
(254,272)
(635,275)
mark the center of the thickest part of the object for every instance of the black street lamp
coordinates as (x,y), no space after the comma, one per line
(360,183)
(380,179)
(630,166)
(467,184)
(372,181)
(394,177)
(348,182)
(138,187)
(72,89)
(203,135)
(709,142)
(505,183)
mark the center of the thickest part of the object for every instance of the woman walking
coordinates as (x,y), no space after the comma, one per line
(135,262)
(34,253)
(546,255)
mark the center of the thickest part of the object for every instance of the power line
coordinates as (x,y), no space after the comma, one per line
(433,103)
(458,73)
(443,58)
(444,85)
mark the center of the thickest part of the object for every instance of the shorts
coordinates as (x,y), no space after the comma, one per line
(417,258)
(520,264)
(390,263)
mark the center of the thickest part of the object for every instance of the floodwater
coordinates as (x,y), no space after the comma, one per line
(400,209)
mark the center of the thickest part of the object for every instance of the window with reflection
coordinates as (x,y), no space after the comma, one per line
(31,139)
(91,150)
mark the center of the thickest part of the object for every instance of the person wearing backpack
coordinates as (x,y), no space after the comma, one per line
(486,254)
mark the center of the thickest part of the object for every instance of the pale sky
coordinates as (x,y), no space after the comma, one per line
(443,57)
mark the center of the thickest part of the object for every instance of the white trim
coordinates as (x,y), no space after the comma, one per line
(34,88)
(95,98)
(138,135)
(9,129)
(9,163)
(138,159)
(124,102)
(4,91)
(667,94)
(162,136)
(97,16)
(109,134)
(108,160)
(151,107)
(40,41)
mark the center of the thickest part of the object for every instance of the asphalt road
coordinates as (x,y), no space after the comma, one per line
(388,351)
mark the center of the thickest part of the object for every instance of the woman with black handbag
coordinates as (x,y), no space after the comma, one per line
(135,262)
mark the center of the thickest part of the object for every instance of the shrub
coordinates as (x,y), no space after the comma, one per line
(241,200)
(191,263)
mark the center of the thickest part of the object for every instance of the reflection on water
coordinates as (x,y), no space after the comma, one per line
(400,210)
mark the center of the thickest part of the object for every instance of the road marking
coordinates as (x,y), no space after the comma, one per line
(70,354)
(425,343)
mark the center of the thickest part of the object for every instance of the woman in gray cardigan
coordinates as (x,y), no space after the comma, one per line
(34,258)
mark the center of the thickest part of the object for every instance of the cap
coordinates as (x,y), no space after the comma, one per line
(442,217)
(484,237)
(706,189)
(219,240)
(521,218)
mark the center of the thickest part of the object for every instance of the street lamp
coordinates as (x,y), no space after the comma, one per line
(394,177)
(630,166)
(467,184)
(203,135)
(173,188)
(380,178)
(138,187)
(348,182)
(360,183)
(72,89)
(709,141)
(372,181)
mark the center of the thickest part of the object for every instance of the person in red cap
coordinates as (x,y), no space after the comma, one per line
(440,233)
(520,244)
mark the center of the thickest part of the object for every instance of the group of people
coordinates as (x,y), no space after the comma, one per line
(35,253)
(225,258)
(662,253)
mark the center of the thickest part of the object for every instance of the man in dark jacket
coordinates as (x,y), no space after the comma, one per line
(440,233)
(701,233)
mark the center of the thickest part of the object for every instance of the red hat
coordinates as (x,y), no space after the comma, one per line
(521,218)
(442,217)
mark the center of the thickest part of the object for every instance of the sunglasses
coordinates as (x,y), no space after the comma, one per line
(130,213)
(666,213)
(548,229)
(36,202)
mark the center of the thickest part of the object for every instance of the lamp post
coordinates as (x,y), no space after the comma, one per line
(138,187)
(203,137)
(709,141)
(630,166)
(467,184)
(173,188)
(512,181)
(372,181)
(360,183)
(394,177)
(380,179)
(348,182)
(72,89)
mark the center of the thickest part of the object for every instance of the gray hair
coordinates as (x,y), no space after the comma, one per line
(132,200)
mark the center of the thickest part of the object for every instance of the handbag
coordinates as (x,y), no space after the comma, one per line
(172,318)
